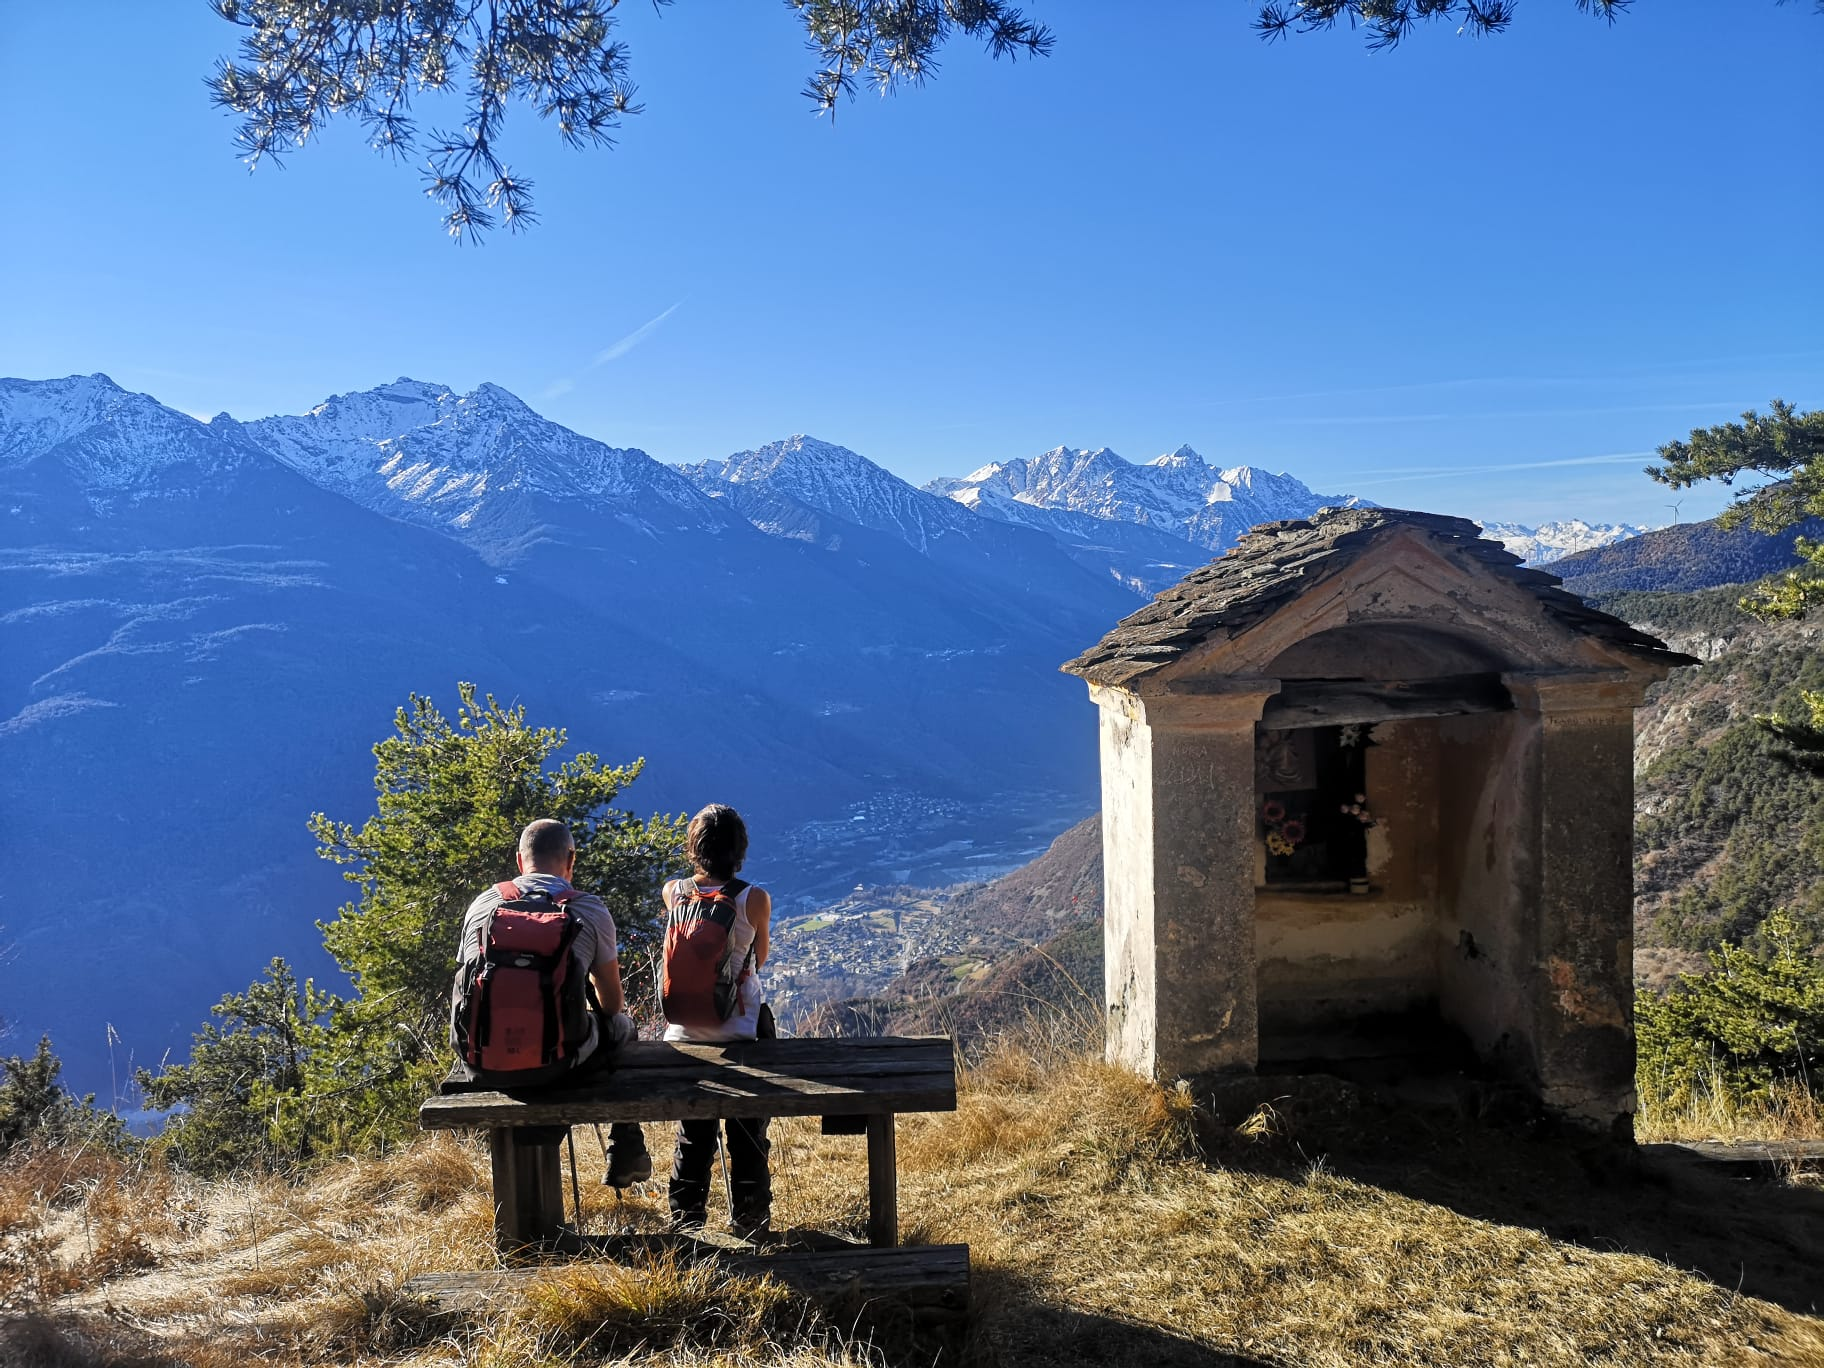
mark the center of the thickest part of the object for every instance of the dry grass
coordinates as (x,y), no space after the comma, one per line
(1791,1112)
(70,1219)
(1110,1222)
(659,1305)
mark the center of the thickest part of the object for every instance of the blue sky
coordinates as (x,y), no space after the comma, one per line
(1477,276)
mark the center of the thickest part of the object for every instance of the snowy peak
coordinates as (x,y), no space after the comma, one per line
(112,441)
(833,480)
(1184,458)
(801,461)
(481,465)
(369,415)
(1554,540)
(1177,493)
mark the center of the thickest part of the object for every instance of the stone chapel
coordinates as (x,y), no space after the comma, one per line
(1366,769)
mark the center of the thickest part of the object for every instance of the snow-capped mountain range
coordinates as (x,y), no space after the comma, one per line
(205,625)
(483,466)
(1553,541)
(1178,493)
(487,469)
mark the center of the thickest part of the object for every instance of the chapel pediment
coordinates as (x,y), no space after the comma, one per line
(1325,594)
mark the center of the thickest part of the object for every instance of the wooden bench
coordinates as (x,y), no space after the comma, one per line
(855,1085)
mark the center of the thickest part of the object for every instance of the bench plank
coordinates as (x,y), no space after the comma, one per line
(931,1282)
(686,1099)
(647,1053)
(656,1080)
(881,1066)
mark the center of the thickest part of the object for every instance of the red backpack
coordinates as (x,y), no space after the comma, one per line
(701,985)
(520,1011)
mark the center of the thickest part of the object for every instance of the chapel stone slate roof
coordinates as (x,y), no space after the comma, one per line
(1279,561)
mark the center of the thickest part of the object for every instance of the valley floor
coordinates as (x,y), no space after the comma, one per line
(1110,1222)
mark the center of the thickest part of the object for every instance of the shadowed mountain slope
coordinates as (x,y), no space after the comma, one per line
(205,626)
(1682,558)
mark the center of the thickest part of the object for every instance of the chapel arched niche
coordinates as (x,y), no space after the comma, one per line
(1362,759)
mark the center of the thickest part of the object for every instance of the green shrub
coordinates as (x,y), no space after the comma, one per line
(1752,1025)
(35,1109)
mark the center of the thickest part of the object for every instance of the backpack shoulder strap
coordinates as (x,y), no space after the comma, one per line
(507,889)
(734,888)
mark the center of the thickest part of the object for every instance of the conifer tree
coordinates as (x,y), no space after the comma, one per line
(303,62)
(1782,451)
(36,1109)
(243,1089)
(1387,23)
(293,1072)
(452,800)
(1751,1025)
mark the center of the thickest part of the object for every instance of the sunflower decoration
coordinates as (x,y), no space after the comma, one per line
(1283,833)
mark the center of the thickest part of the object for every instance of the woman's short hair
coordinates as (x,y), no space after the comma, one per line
(716,843)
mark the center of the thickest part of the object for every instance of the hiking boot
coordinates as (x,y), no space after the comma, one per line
(625,1167)
(754,1227)
(686,1219)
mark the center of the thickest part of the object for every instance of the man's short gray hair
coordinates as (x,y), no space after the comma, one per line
(544,841)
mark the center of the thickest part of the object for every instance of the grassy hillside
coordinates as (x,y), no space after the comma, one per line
(1110,1222)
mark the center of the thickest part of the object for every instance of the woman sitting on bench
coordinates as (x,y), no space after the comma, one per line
(715,944)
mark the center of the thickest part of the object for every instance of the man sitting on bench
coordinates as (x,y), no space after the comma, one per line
(547,859)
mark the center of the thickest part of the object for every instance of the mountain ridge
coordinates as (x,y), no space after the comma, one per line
(1684,557)
(483,467)
(1178,493)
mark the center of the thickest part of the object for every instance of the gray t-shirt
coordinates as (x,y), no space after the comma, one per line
(593,948)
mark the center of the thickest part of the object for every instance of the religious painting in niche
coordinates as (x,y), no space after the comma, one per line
(1310,784)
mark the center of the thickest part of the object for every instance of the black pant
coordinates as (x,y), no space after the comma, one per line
(624,1137)
(751,1184)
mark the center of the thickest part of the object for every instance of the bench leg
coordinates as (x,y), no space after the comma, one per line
(528,1190)
(883,1181)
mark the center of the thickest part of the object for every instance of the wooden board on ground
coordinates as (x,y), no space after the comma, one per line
(1739,1153)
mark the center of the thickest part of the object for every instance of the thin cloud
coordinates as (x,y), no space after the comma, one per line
(634,338)
(1646,374)
(564,384)
(1402,475)
(1483,415)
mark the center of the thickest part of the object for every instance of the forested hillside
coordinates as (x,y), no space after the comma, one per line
(1682,558)
(1725,830)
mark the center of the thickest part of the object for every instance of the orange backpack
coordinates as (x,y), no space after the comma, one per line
(701,984)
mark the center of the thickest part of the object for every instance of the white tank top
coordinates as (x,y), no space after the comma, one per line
(745,1023)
